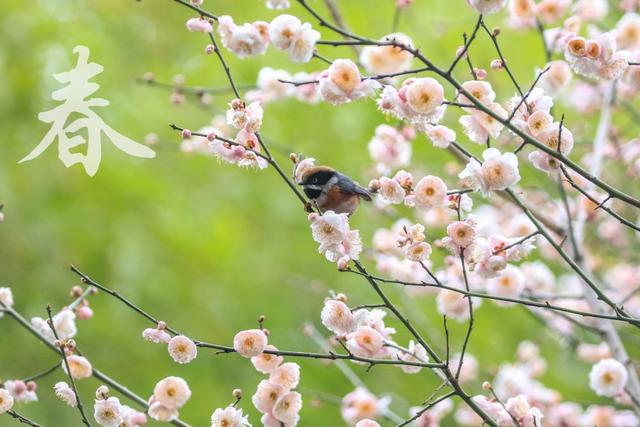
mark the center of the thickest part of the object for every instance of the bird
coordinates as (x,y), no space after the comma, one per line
(331,190)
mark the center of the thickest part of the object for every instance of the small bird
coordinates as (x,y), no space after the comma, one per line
(331,190)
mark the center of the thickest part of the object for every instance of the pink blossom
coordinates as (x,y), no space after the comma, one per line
(172,393)
(182,350)
(199,25)
(509,284)
(250,343)
(266,362)
(388,59)
(244,40)
(287,407)
(430,192)
(361,404)
(337,317)
(286,375)
(365,341)
(6,401)
(267,395)
(487,7)
(79,366)
(342,83)
(497,171)
(416,353)
(440,136)
(229,417)
(390,192)
(65,393)
(389,149)
(608,377)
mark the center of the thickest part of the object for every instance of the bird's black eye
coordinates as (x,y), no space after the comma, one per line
(314,180)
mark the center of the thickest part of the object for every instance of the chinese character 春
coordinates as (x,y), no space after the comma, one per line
(74,101)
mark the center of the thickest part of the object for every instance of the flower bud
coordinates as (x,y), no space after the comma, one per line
(186,133)
(237,393)
(102,393)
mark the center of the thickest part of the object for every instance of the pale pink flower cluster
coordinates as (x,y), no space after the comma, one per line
(460,235)
(624,279)
(412,242)
(342,83)
(598,58)
(249,39)
(469,369)
(270,87)
(497,172)
(361,404)
(274,397)
(229,417)
(593,353)
(286,32)
(393,190)
(20,391)
(440,136)
(247,117)
(478,125)
(419,101)
(388,58)
(337,241)
(533,115)
(627,31)
(169,395)
(509,284)
(489,256)
(390,148)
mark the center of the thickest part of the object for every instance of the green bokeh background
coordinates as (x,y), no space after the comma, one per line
(205,246)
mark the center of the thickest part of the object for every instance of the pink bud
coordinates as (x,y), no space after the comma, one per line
(84,313)
(138,419)
(497,64)
(32,386)
(211,136)
(19,387)
(481,73)
(186,133)
(209,49)
(460,51)
(196,2)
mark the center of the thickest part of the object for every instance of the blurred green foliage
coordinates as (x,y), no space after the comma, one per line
(205,246)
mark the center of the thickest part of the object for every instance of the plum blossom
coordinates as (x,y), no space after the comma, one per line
(593,353)
(522,411)
(250,343)
(242,116)
(229,417)
(557,78)
(597,415)
(627,31)
(416,353)
(244,40)
(287,407)
(469,369)
(337,241)
(453,304)
(64,323)
(591,10)
(597,59)
(269,86)
(79,366)
(342,83)
(460,235)
(509,284)
(429,192)
(267,395)
(522,14)
(480,126)
(556,138)
(157,335)
(286,375)
(6,401)
(497,172)
(440,136)
(286,32)
(65,393)
(390,191)
(182,350)
(367,423)
(361,404)
(108,412)
(266,362)
(337,317)
(608,377)
(387,59)
(419,101)
(389,148)
(201,25)
(131,417)
(532,116)
(171,392)
(366,342)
